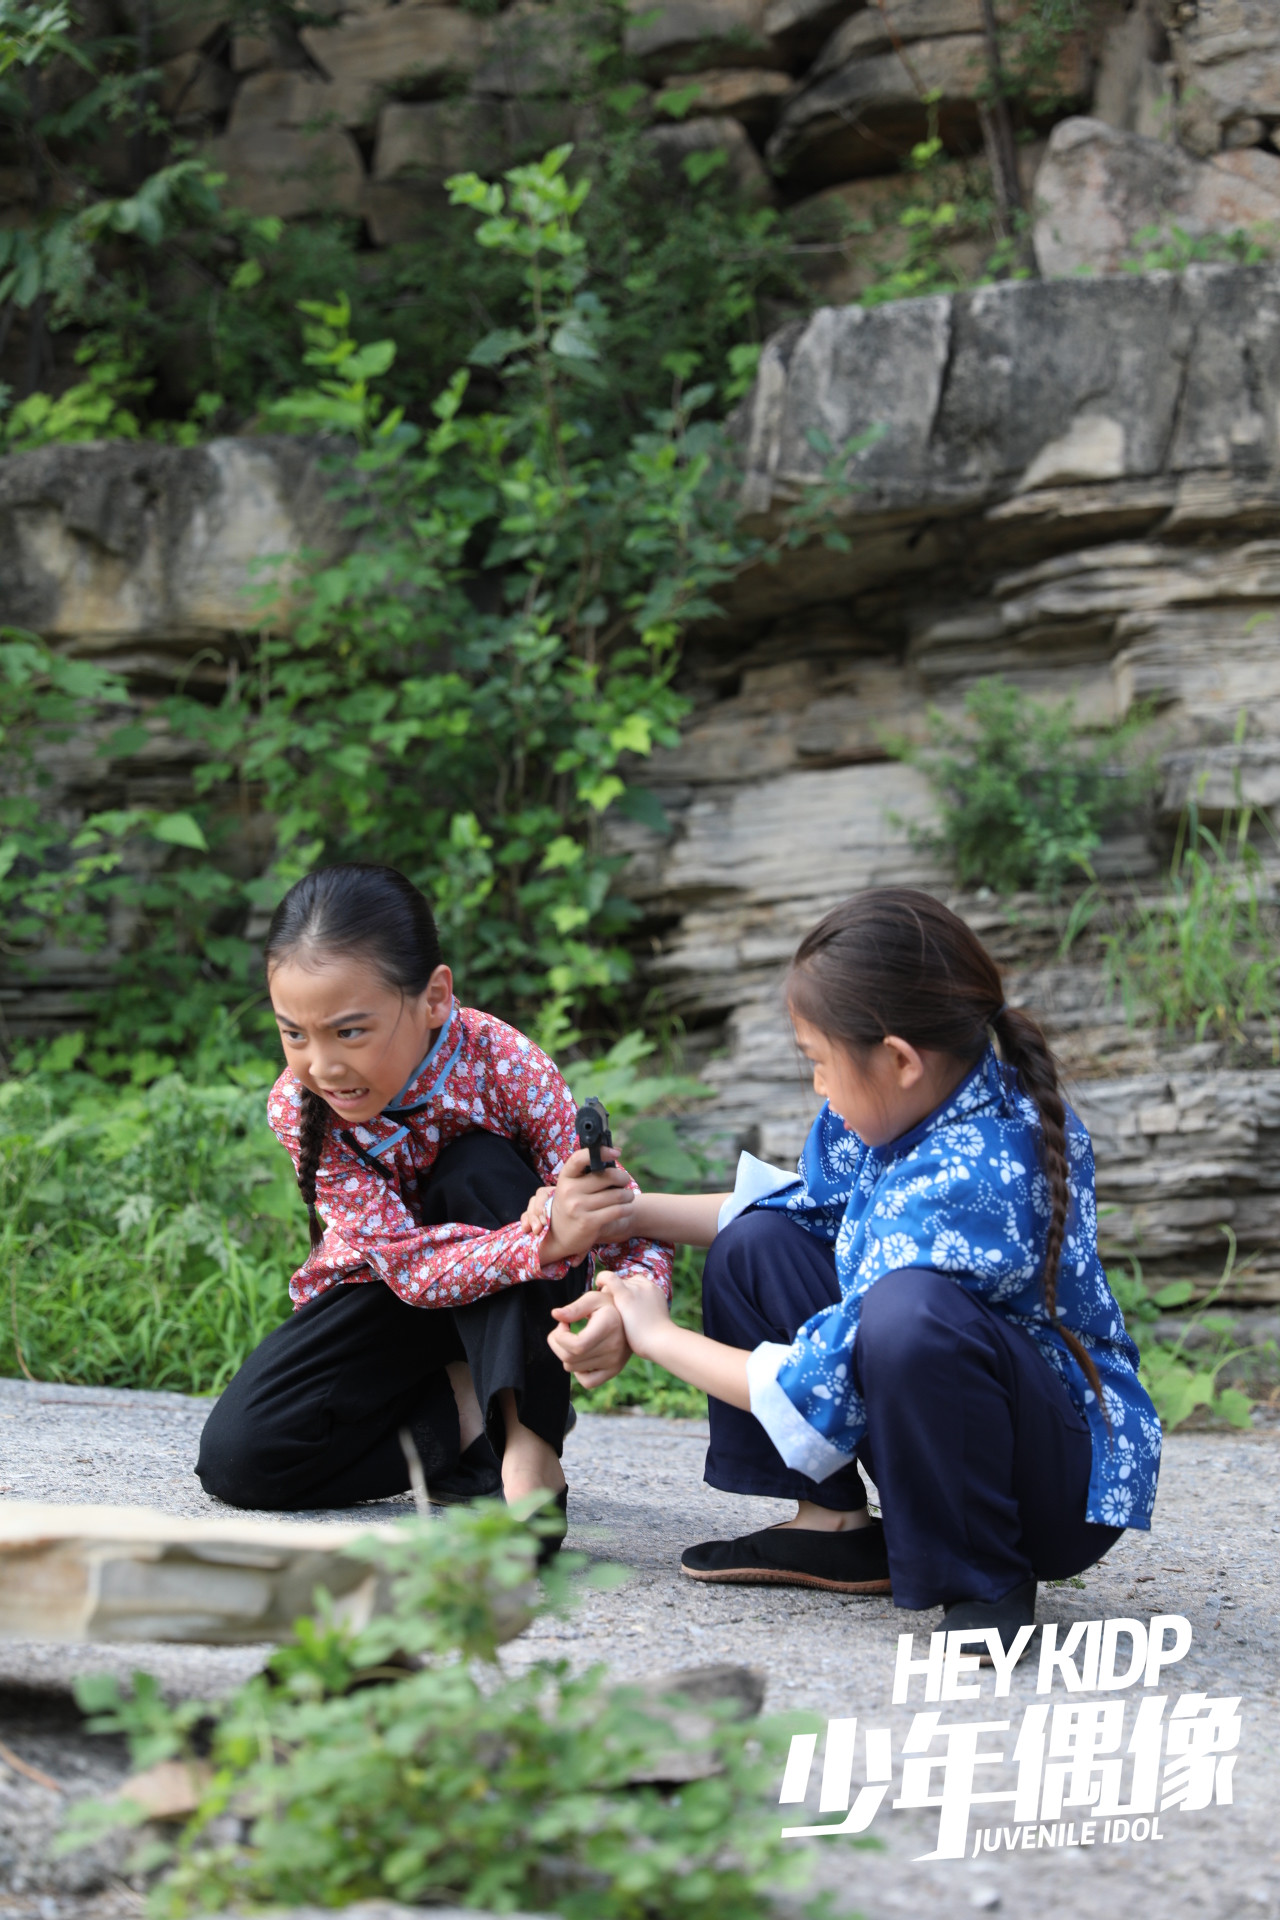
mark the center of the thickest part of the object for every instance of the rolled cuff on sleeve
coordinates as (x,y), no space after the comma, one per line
(801,1446)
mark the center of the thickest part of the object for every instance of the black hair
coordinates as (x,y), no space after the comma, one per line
(372,911)
(894,960)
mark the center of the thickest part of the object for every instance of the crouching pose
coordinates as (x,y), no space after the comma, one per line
(926,1298)
(418,1130)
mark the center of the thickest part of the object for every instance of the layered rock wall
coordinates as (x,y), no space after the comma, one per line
(1073,483)
(369,107)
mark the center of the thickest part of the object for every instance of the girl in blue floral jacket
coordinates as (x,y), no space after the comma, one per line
(925,1298)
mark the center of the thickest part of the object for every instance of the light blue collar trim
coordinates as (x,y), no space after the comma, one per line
(394,1109)
(423,1064)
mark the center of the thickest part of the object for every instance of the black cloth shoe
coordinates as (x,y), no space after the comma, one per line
(852,1561)
(1016,1609)
(477,1476)
(550,1542)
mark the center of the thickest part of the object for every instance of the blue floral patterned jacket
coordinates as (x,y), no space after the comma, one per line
(963,1194)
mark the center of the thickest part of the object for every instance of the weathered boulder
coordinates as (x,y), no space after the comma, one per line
(900,23)
(193,87)
(1227,55)
(712,135)
(412,48)
(101,1573)
(1133,87)
(1098,189)
(854,235)
(800,28)
(145,554)
(430,139)
(888,75)
(532,51)
(283,97)
(685,35)
(420,143)
(289,173)
(176,26)
(753,95)
(277,46)
(284,151)
(866,115)
(1006,389)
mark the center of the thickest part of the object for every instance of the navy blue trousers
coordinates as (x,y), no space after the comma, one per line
(981,1460)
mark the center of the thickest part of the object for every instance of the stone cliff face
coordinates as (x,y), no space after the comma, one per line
(1073,483)
(368,108)
(1077,485)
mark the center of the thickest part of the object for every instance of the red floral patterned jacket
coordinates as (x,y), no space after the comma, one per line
(480,1073)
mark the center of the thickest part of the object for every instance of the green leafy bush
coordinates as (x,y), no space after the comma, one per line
(1023,800)
(1203,957)
(147,1234)
(337,1777)
(1182,1374)
(456,692)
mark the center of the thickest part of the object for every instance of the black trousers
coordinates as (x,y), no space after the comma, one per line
(313,1417)
(980,1457)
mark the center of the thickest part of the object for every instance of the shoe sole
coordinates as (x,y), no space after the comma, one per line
(768,1577)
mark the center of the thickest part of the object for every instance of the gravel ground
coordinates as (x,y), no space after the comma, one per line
(637,1497)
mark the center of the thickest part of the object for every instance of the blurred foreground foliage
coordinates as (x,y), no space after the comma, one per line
(403,1761)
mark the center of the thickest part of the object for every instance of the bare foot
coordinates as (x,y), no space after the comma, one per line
(811,1518)
(529,1464)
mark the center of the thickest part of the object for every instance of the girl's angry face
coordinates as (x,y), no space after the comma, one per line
(347,1035)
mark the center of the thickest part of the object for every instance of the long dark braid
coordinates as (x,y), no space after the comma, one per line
(894,960)
(312,1132)
(375,912)
(1024,1046)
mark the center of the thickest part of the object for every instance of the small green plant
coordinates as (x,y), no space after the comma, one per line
(1203,956)
(147,1233)
(350,1778)
(1183,1374)
(1172,249)
(1023,799)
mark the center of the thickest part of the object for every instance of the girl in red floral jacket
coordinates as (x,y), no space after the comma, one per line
(419,1131)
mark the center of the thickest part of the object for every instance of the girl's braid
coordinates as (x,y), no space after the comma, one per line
(311,1138)
(1025,1047)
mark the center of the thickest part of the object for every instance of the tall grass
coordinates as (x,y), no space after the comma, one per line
(1203,957)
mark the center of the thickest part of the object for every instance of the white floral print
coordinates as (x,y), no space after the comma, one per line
(950,1252)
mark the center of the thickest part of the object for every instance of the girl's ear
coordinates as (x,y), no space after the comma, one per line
(437,996)
(906,1064)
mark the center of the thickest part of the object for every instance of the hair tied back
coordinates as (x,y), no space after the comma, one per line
(366,912)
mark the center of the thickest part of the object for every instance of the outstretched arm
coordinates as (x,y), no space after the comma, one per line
(652,1334)
(683,1219)
(689,1219)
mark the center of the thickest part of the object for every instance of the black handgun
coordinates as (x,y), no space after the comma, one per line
(592,1125)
